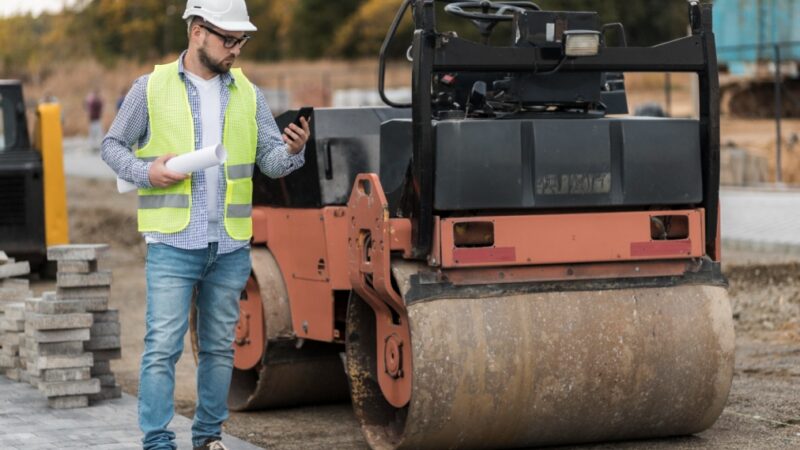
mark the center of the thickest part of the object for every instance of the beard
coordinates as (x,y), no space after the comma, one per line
(219,67)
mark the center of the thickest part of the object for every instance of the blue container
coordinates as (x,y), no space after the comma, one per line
(746,30)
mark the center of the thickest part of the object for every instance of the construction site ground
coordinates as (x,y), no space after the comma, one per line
(762,411)
(26,422)
(762,262)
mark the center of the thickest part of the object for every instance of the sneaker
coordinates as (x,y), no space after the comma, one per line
(212,444)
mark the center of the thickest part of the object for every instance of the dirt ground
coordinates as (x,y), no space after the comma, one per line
(763,410)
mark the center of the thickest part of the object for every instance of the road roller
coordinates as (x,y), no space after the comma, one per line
(509,260)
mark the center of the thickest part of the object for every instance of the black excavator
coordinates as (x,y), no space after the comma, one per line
(33,211)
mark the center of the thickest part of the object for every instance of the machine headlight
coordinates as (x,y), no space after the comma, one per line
(581,43)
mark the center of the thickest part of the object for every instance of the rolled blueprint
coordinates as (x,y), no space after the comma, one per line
(187,163)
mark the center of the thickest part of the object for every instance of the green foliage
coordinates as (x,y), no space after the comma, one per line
(140,30)
(647,22)
(110,30)
(315,22)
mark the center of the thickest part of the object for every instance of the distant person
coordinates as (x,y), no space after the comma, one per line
(94,106)
(197,227)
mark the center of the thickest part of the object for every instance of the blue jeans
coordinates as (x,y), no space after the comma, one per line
(172,276)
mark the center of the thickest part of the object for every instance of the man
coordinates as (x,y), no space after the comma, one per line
(197,227)
(94,106)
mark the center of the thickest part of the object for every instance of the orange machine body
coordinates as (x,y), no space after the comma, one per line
(311,248)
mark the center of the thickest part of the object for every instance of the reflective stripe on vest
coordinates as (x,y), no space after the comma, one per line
(241,134)
(240,171)
(168,210)
(164,201)
(240,211)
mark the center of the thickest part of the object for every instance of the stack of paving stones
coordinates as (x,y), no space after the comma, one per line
(55,332)
(13,291)
(80,282)
(11,268)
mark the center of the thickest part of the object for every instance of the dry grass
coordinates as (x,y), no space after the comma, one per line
(309,83)
(313,82)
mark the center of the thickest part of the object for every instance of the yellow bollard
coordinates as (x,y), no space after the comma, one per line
(49,142)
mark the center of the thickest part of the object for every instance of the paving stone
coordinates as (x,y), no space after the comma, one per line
(67,306)
(80,334)
(77,266)
(100,328)
(40,306)
(64,361)
(59,321)
(12,325)
(15,269)
(32,370)
(13,374)
(10,362)
(107,393)
(14,311)
(107,380)
(74,374)
(101,368)
(68,402)
(14,295)
(80,293)
(54,348)
(64,388)
(103,343)
(11,338)
(111,315)
(67,280)
(10,349)
(30,304)
(76,252)
(107,355)
(20,284)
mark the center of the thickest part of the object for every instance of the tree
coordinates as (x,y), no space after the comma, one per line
(315,22)
(110,30)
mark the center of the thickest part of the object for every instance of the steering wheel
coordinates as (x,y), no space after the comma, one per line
(487,11)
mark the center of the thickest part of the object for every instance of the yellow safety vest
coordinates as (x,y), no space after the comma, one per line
(168,210)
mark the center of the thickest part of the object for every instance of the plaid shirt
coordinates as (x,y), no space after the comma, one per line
(131,127)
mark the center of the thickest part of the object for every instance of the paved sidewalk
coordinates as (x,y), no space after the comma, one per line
(27,423)
(761,219)
(81,161)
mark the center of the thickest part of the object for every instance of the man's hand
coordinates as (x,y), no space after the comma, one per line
(296,137)
(162,177)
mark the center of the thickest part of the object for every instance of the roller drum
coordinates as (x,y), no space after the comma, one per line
(552,368)
(290,377)
(290,372)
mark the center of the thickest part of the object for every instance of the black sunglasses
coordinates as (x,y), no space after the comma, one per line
(228,41)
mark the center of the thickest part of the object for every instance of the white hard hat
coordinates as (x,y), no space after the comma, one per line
(229,15)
